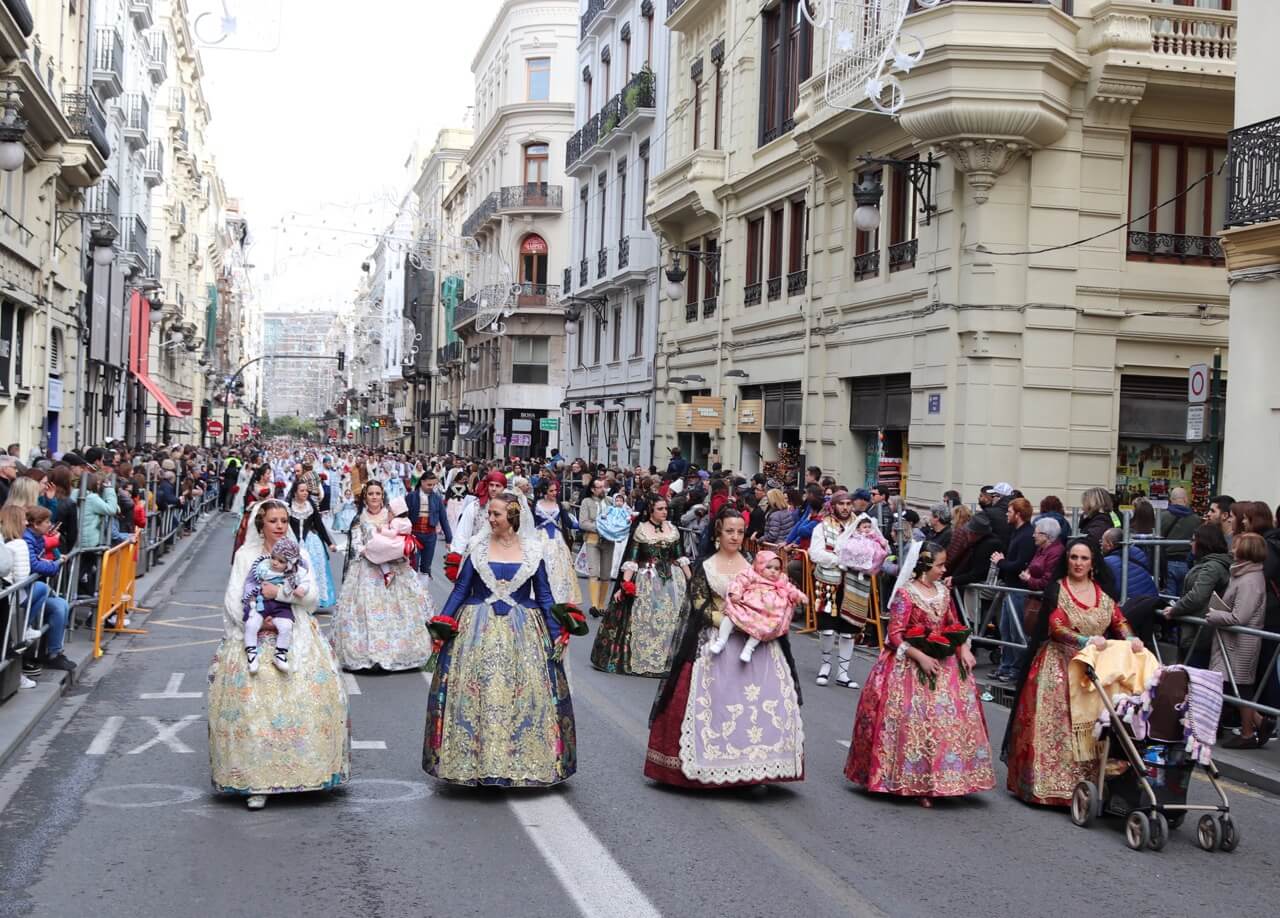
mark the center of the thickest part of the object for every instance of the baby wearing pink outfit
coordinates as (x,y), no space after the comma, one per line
(760,603)
(388,543)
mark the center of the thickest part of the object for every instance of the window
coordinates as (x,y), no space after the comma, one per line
(637,346)
(597,339)
(717,109)
(626,53)
(708,271)
(866,245)
(617,333)
(697,114)
(644,182)
(622,199)
(605,60)
(538,73)
(535,172)
(775,242)
(529,358)
(691,281)
(585,220)
(902,220)
(648,40)
(755,250)
(10,347)
(604,190)
(533,261)
(1184,231)
(587,92)
(579,333)
(787,54)
(799,235)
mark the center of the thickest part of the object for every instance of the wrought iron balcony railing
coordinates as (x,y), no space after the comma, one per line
(88,119)
(1253,174)
(1175,247)
(775,288)
(583,277)
(594,9)
(531,196)
(582,141)
(691,312)
(866,265)
(797,281)
(487,208)
(567,285)
(103,198)
(602,263)
(902,255)
(624,252)
(751,295)
(610,116)
(465,312)
(709,306)
(537,294)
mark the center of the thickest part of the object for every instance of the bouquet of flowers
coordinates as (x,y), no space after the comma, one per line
(443,628)
(628,589)
(571,621)
(958,635)
(933,644)
(452,565)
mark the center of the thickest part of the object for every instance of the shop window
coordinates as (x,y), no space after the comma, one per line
(538,71)
(529,358)
(1185,230)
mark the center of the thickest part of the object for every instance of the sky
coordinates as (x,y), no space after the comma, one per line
(317,105)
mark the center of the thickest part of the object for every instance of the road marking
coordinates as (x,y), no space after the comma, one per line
(182,623)
(193,605)
(180,795)
(166,734)
(106,735)
(171,690)
(353,687)
(170,646)
(845,743)
(566,843)
(368,744)
(185,618)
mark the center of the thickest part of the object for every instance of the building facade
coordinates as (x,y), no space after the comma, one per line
(1028,316)
(511,324)
(294,387)
(611,286)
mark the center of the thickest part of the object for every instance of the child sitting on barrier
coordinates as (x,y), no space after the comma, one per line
(280,569)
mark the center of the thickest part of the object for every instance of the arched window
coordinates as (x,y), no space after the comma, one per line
(535,170)
(533,260)
(55,352)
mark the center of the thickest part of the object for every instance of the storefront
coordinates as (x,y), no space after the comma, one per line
(769,419)
(524,436)
(697,417)
(880,421)
(1152,454)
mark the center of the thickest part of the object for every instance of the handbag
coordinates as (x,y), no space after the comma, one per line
(581,563)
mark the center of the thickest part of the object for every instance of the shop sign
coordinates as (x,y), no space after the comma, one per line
(499,439)
(1198,384)
(701,414)
(1195,423)
(55,393)
(548,424)
(521,439)
(751,416)
(521,425)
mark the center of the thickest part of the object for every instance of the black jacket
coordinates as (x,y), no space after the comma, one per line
(998,513)
(977,562)
(1022,548)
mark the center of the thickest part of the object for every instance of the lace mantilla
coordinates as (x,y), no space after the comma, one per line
(501,590)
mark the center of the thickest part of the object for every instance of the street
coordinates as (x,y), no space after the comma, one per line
(108,811)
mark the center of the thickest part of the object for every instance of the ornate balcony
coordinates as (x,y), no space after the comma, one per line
(775,288)
(157,56)
(535,196)
(691,312)
(1253,174)
(137,120)
(153,169)
(135,255)
(537,295)
(866,265)
(104,198)
(87,118)
(709,306)
(902,255)
(593,10)
(624,252)
(141,13)
(480,216)
(108,62)
(1175,247)
(466,312)
(581,143)
(797,281)
(751,295)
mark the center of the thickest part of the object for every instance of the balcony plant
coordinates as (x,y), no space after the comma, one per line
(641,89)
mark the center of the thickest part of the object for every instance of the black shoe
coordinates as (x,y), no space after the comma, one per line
(31,668)
(59,662)
(594,612)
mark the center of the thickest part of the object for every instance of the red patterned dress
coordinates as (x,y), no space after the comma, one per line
(1042,764)
(910,739)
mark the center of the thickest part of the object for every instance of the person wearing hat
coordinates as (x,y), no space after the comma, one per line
(993,503)
(976,567)
(828,585)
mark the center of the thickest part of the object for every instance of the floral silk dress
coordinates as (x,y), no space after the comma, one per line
(1041,755)
(637,632)
(911,739)
(556,555)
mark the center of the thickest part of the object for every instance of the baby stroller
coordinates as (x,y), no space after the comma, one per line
(1145,780)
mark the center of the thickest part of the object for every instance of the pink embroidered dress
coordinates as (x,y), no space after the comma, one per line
(910,739)
(759,606)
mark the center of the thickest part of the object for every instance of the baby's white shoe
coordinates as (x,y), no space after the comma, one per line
(251,654)
(281,660)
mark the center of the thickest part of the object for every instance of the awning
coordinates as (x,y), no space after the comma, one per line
(158,394)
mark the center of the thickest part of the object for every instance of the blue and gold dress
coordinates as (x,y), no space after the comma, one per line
(499,711)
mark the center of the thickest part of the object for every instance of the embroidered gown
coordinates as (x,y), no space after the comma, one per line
(910,739)
(717,721)
(499,712)
(637,633)
(376,624)
(556,556)
(314,541)
(1041,757)
(274,732)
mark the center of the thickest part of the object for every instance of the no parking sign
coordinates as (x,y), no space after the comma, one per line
(1198,383)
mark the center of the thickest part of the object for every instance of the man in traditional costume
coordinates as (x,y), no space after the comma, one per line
(828,586)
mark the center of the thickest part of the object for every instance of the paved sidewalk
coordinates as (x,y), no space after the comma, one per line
(21,713)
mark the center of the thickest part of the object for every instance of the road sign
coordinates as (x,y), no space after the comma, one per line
(518,439)
(548,423)
(1198,383)
(499,439)
(1195,423)
(214,428)
(244,431)
(935,403)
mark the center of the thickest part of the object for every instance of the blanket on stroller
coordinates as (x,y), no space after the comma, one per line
(1119,672)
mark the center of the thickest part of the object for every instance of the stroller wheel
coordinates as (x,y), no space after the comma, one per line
(1159,831)
(1176,820)
(1207,832)
(1084,804)
(1137,835)
(1230,836)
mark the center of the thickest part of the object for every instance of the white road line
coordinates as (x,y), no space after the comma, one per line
(845,743)
(368,744)
(171,690)
(106,736)
(353,687)
(166,734)
(566,843)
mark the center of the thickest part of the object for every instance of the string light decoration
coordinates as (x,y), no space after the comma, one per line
(865,46)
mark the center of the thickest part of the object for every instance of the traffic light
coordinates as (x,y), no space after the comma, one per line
(342,361)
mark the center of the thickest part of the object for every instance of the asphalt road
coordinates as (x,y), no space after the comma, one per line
(108,811)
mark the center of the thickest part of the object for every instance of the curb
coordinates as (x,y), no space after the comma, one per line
(22,713)
(1258,777)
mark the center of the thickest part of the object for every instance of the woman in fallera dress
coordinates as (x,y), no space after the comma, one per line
(379,621)
(552,519)
(305,519)
(274,732)
(719,721)
(639,626)
(1039,744)
(499,712)
(258,488)
(919,730)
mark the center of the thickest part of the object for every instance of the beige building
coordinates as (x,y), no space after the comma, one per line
(1001,324)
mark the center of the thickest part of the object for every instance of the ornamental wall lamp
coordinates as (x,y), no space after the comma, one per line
(869,191)
(13,127)
(575,308)
(676,273)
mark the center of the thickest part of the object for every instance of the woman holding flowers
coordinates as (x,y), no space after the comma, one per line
(499,711)
(919,730)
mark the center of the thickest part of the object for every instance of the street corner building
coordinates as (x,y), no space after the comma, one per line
(952,296)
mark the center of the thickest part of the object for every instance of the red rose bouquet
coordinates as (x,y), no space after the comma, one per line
(452,566)
(958,635)
(629,589)
(571,621)
(443,628)
(933,644)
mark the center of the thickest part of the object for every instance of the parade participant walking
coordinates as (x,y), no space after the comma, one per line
(635,637)
(275,732)
(314,539)
(259,488)
(1075,612)
(473,519)
(499,712)
(552,519)
(919,730)
(379,621)
(230,475)
(828,583)
(427,513)
(599,553)
(712,703)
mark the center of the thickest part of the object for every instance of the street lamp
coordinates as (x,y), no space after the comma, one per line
(868,192)
(102,241)
(676,274)
(13,127)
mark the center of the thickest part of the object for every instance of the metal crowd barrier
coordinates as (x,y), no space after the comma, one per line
(15,605)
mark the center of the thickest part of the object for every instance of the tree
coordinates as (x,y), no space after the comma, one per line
(290,426)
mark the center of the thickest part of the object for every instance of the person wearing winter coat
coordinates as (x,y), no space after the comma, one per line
(100,506)
(977,561)
(1098,515)
(1141,583)
(779,518)
(1246,603)
(43,600)
(1179,523)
